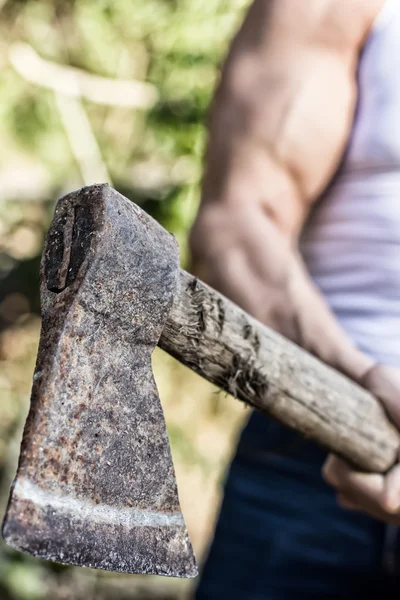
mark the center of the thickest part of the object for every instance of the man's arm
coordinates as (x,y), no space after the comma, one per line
(279,124)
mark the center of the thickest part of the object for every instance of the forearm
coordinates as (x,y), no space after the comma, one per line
(263,272)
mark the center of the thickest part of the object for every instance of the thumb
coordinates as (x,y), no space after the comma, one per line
(384,383)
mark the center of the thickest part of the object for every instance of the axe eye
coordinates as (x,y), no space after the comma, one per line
(67,246)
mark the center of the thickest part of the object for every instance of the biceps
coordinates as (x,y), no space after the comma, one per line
(315,127)
(293,90)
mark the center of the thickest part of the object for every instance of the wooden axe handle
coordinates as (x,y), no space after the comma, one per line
(221,342)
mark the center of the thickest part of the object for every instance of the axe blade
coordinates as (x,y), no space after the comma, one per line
(95,485)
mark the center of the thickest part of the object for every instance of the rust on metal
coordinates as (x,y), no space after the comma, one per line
(95,484)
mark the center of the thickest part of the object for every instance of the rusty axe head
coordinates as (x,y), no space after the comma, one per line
(95,485)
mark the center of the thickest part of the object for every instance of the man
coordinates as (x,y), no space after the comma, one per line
(300,225)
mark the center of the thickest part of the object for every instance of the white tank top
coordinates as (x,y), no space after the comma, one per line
(351,243)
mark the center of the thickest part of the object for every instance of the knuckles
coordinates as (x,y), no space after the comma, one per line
(331,473)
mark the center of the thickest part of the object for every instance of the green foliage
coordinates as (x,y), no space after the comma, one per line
(176,45)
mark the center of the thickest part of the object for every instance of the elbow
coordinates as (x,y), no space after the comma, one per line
(197,242)
(205,239)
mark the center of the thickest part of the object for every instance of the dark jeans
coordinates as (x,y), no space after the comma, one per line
(281,534)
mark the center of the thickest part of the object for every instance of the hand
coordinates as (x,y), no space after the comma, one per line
(372,493)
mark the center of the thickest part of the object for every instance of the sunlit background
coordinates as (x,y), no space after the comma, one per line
(117,91)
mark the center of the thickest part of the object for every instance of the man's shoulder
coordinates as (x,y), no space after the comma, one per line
(341,25)
(346,24)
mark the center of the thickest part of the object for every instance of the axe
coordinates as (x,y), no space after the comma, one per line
(95,485)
